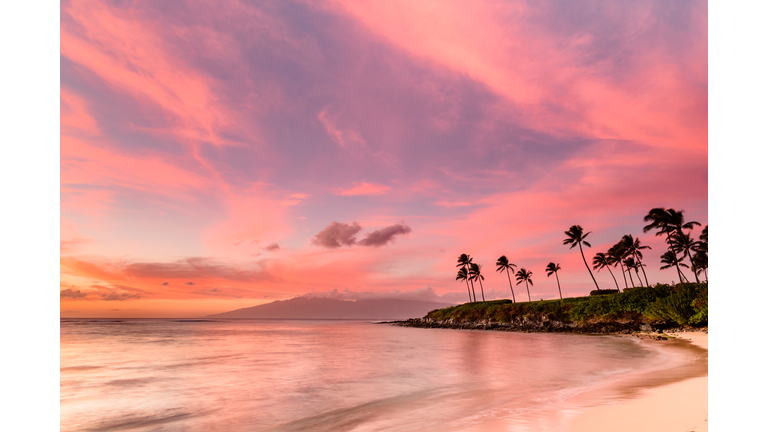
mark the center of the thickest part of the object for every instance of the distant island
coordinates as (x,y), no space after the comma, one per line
(326,308)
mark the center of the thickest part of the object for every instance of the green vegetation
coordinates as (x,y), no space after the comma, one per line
(681,304)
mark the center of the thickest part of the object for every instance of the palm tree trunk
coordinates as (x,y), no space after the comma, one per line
(641,268)
(481,287)
(623,274)
(469,293)
(510,286)
(629,270)
(693,266)
(470,281)
(614,278)
(529,292)
(679,273)
(588,269)
(639,281)
(558,286)
(473,290)
(705,274)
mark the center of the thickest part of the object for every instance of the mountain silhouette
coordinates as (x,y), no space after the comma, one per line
(326,308)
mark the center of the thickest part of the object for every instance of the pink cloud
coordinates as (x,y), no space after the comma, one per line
(364,189)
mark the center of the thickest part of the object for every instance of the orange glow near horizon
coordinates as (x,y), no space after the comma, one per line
(220,156)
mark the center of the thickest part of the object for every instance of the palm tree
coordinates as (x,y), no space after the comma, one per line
(629,263)
(601,261)
(617,255)
(667,222)
(553,268)
(669,259)
(701,258)
(683,242)
(576,236)
(464,261)
(633,248)
(503,264)
(474,274)
(463,276)
(524,275)
(701,263)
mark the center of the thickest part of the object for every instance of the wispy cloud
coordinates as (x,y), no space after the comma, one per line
(364,189)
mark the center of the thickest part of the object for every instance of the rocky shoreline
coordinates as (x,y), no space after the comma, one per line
(547,326)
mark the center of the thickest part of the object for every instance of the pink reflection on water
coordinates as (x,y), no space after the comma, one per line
(320,375)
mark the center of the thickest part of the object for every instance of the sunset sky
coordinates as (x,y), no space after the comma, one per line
(222,155)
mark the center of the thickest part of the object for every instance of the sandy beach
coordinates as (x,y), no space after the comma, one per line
(672,398)
(679,406)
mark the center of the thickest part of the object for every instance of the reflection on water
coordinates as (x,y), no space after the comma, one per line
(291,375)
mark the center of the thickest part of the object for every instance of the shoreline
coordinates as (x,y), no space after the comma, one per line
(672,397)
(665,399)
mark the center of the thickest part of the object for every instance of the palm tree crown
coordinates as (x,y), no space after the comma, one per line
(464,261)
(601,261)
(462,276)
(554,268)
(503,264)
(524,275)
(474,275)
(576,236)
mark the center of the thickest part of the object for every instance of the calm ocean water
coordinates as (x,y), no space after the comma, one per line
(293,375)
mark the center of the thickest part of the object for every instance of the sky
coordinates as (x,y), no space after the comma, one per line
(215,156)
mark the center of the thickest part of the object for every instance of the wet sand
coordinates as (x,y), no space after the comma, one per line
(670,398)
(673,400)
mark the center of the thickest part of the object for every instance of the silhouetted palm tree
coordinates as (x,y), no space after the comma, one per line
(633,248)
(576,236)
(629,263)
(524,275)
(683,242)
(503,264)
(701,263)
(462,275)
(553,268)
(601,261)
(669,259)
(701,258)
(474,275)
(667,222)
(617,255)
(464,261)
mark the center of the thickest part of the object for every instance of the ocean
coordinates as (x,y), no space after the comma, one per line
(318,375)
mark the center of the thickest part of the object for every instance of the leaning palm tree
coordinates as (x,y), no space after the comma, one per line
(683,242)
(668,259)
(503,264)
(667,222)
(553,268)
(633,248)
(601,261)
(462,275)
(464,261)
(575,237)
(629,263)
(474,275)
(524,275)
(701,257)
(617,255)
(701,263)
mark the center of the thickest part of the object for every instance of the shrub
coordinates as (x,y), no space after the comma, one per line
(700,304)
(678,306)
(603,292)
